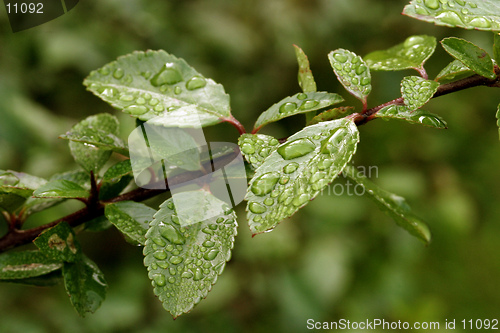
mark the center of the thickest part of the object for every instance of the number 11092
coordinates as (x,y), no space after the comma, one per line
(23,8)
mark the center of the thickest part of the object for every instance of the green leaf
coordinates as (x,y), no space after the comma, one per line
(16,188)
(298,170)
(498,120)
(59,243)
(417,91)
(131,218)
(496,47)
(470,14)
(352,71)
(115,180)
(26,264)
(19,183)
(47,280)
(154,83)
(184,262)
(414,117)
(391,204)
(331,114)
(455,70)
(470,55)
(305,76)
(85,285)
(61,189)
(90,156)
(34,205)
(102,135)
(256,147)
(298,103)
(412,53)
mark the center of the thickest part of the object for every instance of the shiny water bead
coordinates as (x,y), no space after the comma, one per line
(167,75)
(417,91)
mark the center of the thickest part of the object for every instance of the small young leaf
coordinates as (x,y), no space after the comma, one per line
(391,204)
(413,117)
(298,103)
(417,91)
(412,53)
(498,120)
(34,205)
(61,189)
(98,128)
(256,147)
(131,218)
(184,262)
(115,180)
(470,14)
(103,137)
(352,72)
(26,264)
(59,243)
(470,55)
(298,170)
(153,83)
(331,114)
(455,70)
(305,76)
(85,285)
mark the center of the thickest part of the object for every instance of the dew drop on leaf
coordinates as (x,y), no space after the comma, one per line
(172,235)
(432,4)
(196,82)
(159,280)
(168,75)
(290,167)
(210,255)
(198,274)
(257,208)
(296,148)
(288,107)
(265,183)
(308,105)
(136,109)
(118,73)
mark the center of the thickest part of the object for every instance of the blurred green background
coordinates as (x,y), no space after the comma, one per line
(337,258)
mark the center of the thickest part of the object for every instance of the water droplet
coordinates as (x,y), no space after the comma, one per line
(126,98)
(265,183)
(187,275)
(175,260)
(432,4)
(284,180)
(177,90)
(208,243)
(154,101)
(109,92)
(430,121)
(158,241)
(361,69)
(301,199)
(288,107)
(167,75)
(302,96)
(171,233)
(472,5)
(140,101)
(104,71)
(286,194)
(269,202)
(450,18)
(257,208)
(210,255)
(118,73)
(290,167)
(159,280)
(317,177)
(146,75)
(171,279)
(170,205)
(340,57)
(325,164)
(480,22)
(296,148)
(198,274)
(136,109)
(309,104)
(273,142)
(196,82)
(159,108)
(247,148)
(160,255)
